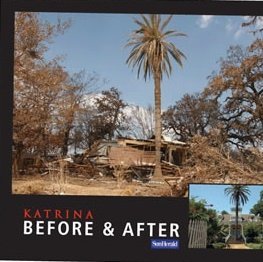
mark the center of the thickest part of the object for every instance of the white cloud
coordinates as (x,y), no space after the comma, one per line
(234,29)
(205,20)
(238,33)
(229,26)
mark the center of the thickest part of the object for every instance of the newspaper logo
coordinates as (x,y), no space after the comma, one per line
(164,244)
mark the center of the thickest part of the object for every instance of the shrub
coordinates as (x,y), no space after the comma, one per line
(255,246)
(252,232)
(219,245)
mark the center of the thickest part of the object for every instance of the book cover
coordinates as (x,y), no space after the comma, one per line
(131,130)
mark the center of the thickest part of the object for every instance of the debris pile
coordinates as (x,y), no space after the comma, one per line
(207,164)
(130,160)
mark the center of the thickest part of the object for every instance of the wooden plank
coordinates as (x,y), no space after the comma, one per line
(197,234)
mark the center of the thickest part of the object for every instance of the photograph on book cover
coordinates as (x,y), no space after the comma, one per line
(131,126)
(225,216)
(89,88)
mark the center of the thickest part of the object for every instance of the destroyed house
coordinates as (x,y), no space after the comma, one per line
(138,152)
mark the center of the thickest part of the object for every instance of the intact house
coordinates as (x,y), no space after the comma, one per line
(236,233)
(242,218)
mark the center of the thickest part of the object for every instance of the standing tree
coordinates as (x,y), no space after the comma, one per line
(151,52)
(37,83)
(257,209)
(102,117)
(190,116)
(77,87)
(238,87)
(238,196)
(110,116)
(198,211)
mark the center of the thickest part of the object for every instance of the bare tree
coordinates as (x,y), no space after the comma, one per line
(76,88)
(256,22)
(140,121)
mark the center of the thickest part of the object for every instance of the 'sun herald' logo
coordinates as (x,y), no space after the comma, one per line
(164,243)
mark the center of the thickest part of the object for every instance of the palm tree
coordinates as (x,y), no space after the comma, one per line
(238,196)
(152,52)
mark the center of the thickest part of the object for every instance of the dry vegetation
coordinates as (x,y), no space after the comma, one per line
(209,164)
(205,164)
(81,186)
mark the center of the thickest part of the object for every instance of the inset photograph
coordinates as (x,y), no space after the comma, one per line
(225,216)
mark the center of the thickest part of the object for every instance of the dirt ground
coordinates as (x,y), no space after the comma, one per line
(37,185)
(238,246)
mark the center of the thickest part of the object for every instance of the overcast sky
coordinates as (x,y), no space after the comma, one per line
(96,43)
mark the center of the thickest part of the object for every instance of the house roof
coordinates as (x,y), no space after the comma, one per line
(165,141)
(227,218)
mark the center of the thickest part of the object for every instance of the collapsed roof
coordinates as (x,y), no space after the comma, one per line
(128,151)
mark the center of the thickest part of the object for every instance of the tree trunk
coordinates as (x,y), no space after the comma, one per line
(236,222)
(158,126)
(15,166)
(64,150)
(17,159)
